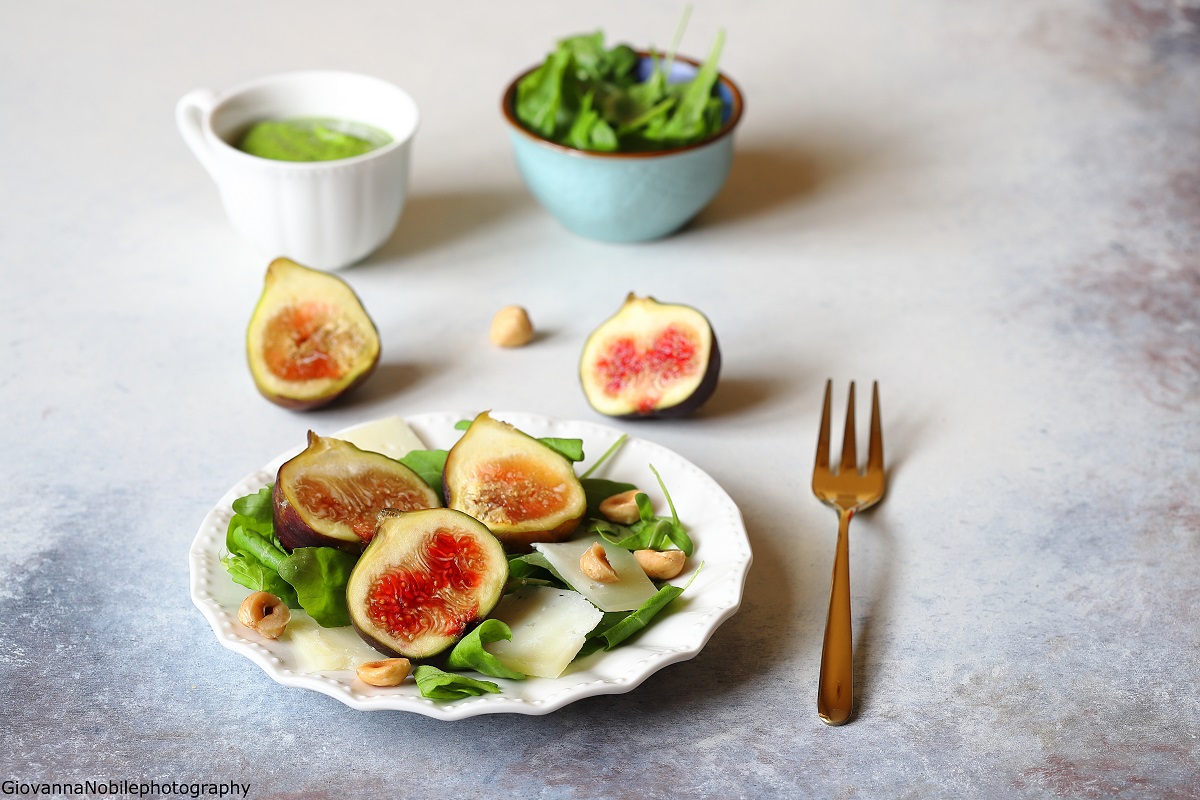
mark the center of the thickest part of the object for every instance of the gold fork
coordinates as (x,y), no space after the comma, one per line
(849,491)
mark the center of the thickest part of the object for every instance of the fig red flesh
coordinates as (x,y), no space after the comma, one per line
(426,576)
(434,596)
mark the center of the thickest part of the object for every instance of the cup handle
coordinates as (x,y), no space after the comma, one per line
(188,113)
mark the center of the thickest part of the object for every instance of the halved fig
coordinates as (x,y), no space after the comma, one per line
(425,577)
(650,359)
(331,494)
(520,488)
(310,340)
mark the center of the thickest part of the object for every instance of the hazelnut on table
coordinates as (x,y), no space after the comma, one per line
(511,327)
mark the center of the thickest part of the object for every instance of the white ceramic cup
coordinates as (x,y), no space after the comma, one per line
(323,214)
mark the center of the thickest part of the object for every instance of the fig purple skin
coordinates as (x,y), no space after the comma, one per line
(330,495)
(650,359)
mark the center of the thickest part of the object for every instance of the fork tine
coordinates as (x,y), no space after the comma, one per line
(849,446)
(875,447)
(823,436)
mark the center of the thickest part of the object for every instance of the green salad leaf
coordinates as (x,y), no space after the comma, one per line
(570,449)
(612,448)
(469,652)
(320,575)
(312,578)
(532,569)
(254,554)
(650,532)
(617,626)
(597,490)
(259,507)
(438,684)
(428,464)
(591,98)
(253,574)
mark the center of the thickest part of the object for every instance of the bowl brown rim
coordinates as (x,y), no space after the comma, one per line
(735,116)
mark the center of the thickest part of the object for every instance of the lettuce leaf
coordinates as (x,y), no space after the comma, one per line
(429,464)
(437,684)
(320,575)
(312,578)
(470,654)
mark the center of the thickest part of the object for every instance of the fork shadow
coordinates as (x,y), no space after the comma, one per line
(868,647)
(877,538)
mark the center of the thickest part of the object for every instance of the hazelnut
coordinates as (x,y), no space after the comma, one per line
(621,508)
(511,327)
(265,613)
(660,565)
(594,564)
(386,672)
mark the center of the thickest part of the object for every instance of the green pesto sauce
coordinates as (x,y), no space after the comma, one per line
(311,139)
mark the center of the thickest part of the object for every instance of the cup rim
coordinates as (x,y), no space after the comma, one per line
(738,106)
(307,166)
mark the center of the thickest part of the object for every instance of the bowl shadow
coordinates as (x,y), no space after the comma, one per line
(437,219)
(770,176)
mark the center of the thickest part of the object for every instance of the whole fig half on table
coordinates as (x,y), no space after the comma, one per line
(650,359)
(518,487)
(310,340)
(425,577)
(330,495)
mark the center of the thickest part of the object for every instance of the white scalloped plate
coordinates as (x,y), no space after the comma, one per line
(712,518)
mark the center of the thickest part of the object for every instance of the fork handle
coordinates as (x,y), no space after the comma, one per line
(835,687)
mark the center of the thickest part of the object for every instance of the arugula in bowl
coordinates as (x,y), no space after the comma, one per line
(615,99)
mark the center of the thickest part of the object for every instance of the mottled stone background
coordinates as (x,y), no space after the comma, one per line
(993,208)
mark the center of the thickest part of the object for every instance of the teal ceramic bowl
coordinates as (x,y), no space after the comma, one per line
(627,197)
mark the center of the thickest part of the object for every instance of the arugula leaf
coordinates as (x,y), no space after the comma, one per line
(597,490)
(612,448)
(689,120)
(650,532)
(428,464)
(676,532)
(532,569)
(470,654)
(589,131)
(437,684)
(539,94)
(589,98)
(645,537)
(570,449)
(617,627)
(320,575)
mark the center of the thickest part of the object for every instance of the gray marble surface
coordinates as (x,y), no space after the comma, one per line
(993,208)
